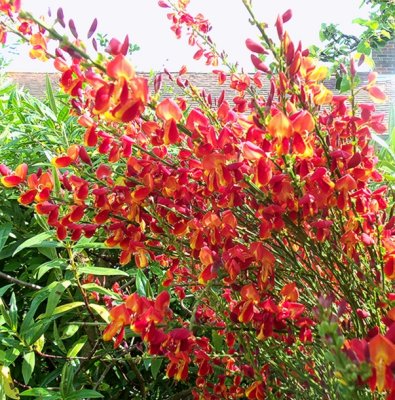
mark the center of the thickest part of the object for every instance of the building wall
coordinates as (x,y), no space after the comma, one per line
(384,59)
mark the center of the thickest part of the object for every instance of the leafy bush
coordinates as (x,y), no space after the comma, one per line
(227,250)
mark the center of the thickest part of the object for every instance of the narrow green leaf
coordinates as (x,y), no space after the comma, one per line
(50,95)
(102,311)
(385,146)
(5,288)
(155,366)
(69,331)
(40,393)
(44,268)
(360,21)
(147,363)
(11,355)
(77,346)
(54,297)
(217,341)
(57,338)
(5,230)
(56,181)
(4,312)
(102,271)
(141,283)
(66,383)
(64,308)
(93,287)
(50,377)
(84,394)
(63,114)
(85,243)
(36,331)
(39,240)
(345,84)
(39,297)
(364,48)
(13,312)
(49,251)
(29,361)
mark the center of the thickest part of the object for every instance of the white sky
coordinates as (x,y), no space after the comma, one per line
(147,25)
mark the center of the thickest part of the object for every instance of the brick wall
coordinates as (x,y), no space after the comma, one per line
(385,59)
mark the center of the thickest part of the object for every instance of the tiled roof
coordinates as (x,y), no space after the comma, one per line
(35,84)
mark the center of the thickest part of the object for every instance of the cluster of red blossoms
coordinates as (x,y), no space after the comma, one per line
(252,207)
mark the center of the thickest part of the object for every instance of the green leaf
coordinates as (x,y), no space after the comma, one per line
(85,243)
(155,366)
(64,308)
(84,394)
(102,271)
(41,393)
(56,181)
(359,21)
(39,240)
(77,346)
(39,297)
(44,268)
(29,361)
(66,383)
(364,48)
(386,34)
(63,114)
(69,331)
(384,145)
(102,311)
(345,84)
(49,251)
(93,287)
(4,312)
(36,331)
(141,283)
(5,288)
(5,231)
(50,95)
(11,355)
(49,377)
(54,297)
(13,312)
(217,341)
(57,338)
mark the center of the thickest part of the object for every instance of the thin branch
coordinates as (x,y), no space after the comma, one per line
(139,377)
(103,375)
(56,357)
(19,282)
(183,395)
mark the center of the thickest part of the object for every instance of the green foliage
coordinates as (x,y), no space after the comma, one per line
(50,321)
(378,30)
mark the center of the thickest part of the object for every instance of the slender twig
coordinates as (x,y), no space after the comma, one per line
(54,356)
(139,377)
(103,375)
(21,384)
(184,394)
(19,282)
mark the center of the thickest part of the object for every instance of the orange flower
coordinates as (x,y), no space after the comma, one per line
(178,366)
(280,126)
(168,109)
(120,67)
(120,317)
(256,391)
(375,93)
(382,355)
(15,179)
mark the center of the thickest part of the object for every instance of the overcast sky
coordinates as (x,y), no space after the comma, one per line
(147,26)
